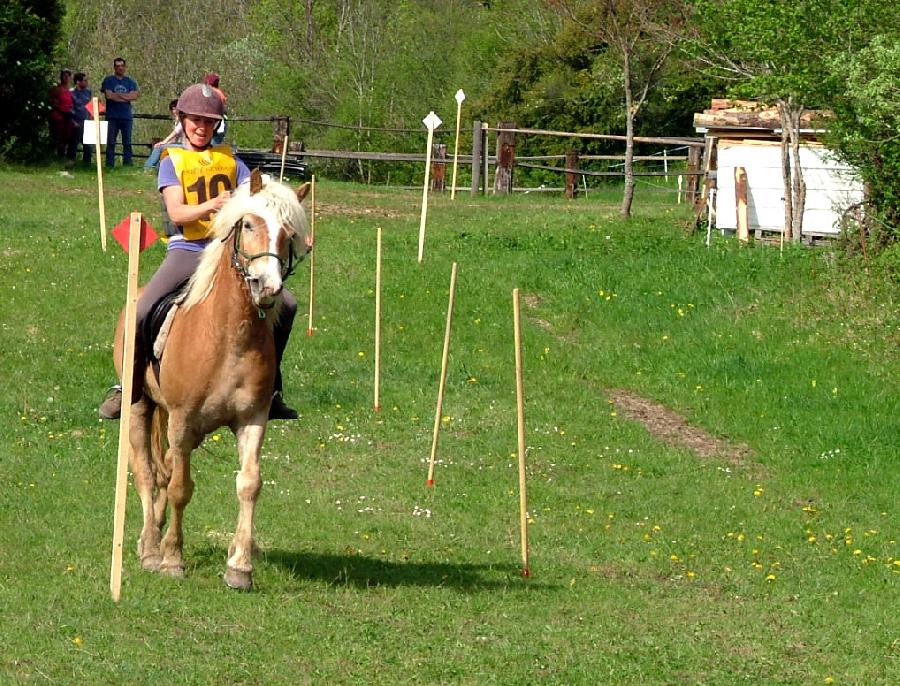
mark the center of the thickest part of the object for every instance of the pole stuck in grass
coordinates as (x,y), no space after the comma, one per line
(131,297)
(432,121)
(377,404)
(97,149)
(312,255)
(520,422)
(284,149)
(444,358)
(460,96)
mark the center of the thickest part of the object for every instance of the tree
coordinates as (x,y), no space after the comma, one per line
(776,52)
(630,30)
(30,30)
(865,130)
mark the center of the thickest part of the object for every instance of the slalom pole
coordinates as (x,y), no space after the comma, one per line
(284,147)
(377,404)
(97,149)
(520,422)
(432,121)
(444,358)
(312,256)
(131,297)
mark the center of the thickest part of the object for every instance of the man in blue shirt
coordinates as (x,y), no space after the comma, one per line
(81,96)
(120,92)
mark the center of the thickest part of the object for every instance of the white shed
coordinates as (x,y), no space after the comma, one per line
(751,139)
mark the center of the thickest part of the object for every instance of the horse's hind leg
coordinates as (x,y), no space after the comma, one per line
(181,487)
(145,480)
(239,573)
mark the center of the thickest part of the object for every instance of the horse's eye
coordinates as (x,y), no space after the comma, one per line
(247,225)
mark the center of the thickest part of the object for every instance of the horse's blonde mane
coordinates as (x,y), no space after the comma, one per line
(274,197)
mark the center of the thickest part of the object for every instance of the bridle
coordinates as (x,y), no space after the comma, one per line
(287,268)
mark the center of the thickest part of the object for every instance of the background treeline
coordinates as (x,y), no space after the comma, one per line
(555,64)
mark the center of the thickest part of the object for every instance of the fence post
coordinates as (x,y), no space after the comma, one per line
(690,192)
(476,157)
(506,157)
(282,130)
(571,175)
(438,166)
(485,158)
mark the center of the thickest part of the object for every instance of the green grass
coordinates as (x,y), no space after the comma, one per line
(650,564)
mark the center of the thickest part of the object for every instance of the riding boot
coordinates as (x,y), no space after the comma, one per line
(281,332)
(140,366)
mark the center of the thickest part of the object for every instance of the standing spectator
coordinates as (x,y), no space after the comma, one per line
(81,96)
(212,79)
(62,122)
(120,92)
(174,138)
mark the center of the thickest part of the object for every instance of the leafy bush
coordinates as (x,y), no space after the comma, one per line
(30,30)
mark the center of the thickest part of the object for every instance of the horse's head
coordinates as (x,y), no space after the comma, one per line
(267,225)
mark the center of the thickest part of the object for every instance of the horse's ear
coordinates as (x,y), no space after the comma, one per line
(256,181)
(303,191)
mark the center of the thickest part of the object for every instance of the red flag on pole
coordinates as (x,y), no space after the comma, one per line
(122,231)
(90,107)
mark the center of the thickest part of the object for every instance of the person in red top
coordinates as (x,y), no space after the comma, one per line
(212,80)
(62,117)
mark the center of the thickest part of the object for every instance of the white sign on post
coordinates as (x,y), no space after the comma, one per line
(89,135)
(432,121)
(460,96)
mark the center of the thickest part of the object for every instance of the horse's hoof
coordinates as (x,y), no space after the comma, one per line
(151,563)
(241,581)
(175,571)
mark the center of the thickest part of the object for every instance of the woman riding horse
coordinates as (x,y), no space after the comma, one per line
(195,182)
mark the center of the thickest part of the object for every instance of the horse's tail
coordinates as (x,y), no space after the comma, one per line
(158,429)
(159,444)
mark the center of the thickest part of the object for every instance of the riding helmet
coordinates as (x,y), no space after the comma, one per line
(201,100)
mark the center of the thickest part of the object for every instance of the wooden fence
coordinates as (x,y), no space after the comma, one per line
(572,166)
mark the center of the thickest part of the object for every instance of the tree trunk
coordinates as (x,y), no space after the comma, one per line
(794,184)
(799,183)
(786,170)
(628,196)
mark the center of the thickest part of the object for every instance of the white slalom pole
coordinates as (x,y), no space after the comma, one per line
(432,121)
(460,96)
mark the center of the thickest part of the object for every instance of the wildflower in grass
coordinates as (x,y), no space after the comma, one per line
(770,577)
(813,383)
(78,641)
(70,568)
(361,353)
(445,419)
(691,575)
(665,338)
(758,491)
(829,680)
(216,437)
(673,557)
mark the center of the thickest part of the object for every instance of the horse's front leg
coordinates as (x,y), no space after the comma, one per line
(181,488)
(239,573)
(146,479)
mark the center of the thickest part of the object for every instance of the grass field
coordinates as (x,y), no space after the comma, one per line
(712,458)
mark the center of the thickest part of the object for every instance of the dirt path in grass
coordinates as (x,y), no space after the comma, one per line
(671,428)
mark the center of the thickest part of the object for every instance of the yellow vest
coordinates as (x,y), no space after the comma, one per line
(203,175)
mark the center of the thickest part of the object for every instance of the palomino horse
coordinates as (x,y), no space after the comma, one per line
(218,369)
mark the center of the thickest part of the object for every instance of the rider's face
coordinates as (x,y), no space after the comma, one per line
(199,130)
